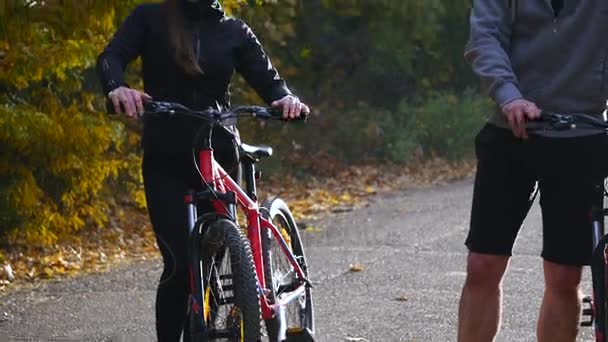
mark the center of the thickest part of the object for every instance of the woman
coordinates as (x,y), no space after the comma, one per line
(189,50)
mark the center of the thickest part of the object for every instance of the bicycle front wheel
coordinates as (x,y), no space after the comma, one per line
(231,304)
(280,274)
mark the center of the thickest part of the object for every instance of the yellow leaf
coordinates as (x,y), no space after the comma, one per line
(47,272)
(313,229)
(402,299)
(356,268)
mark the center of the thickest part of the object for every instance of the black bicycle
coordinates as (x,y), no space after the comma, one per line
(596,308)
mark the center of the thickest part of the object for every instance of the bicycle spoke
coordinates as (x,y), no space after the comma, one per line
(284,279)
(226,317)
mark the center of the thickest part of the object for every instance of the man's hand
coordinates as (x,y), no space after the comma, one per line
(291,107)
(131,100)
(517,113)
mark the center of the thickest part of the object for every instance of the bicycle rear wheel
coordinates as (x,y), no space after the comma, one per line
(230,309)
(280,274)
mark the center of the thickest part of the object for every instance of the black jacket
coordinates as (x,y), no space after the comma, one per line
(226,45)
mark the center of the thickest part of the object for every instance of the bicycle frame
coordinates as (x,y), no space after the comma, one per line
(598,268)
(226,188)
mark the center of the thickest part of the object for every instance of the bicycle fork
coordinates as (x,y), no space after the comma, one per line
(196,328)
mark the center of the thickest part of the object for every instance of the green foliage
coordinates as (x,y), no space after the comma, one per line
(384,77)
(379,72)
(60,152)
(443,126)
(53,168)
(378,52)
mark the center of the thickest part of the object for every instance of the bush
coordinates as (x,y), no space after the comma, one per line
(442,126)
(54,167)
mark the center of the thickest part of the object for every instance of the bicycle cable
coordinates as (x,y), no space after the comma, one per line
(209,187)
(234,114)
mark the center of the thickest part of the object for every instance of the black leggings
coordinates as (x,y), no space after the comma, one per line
(166,180)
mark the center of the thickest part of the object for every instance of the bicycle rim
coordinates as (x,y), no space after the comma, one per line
(281,277)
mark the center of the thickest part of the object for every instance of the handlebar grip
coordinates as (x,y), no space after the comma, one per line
(111,110)
(278,114)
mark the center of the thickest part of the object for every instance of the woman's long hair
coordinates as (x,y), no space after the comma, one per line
(181,38)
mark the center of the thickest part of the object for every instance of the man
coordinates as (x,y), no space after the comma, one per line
(534,55)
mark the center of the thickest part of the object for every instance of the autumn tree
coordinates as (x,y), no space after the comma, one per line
(379,74)
(58,148)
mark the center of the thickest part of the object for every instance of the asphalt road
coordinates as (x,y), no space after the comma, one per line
(409,243)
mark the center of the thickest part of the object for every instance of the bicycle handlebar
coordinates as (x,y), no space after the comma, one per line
(562,122)
(216,115)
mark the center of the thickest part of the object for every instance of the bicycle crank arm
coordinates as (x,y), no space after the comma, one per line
(299,335)
(291,334)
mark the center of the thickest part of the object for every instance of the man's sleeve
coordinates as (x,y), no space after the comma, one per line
(488,46)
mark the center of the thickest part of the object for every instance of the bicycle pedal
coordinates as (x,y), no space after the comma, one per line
(588,312)
(299,335)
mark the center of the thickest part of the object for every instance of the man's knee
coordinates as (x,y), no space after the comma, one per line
(485,270)
(562,278)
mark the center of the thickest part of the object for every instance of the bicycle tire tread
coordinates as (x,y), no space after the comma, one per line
(244,279)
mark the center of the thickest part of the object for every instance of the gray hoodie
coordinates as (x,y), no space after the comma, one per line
(525,51)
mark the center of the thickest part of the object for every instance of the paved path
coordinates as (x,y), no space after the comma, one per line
(410,243)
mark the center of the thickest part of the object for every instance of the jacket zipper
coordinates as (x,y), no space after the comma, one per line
(197,50)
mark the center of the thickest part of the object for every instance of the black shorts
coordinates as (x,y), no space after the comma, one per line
(566,171)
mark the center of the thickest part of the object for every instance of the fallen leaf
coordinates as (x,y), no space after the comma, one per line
(346,198)
(342,209)
(402,299)
(32,272)
(313,229)
(356,268)
(47,272)
(356,339)
(6,272)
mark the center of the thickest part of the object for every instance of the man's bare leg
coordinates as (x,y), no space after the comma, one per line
(480,304)
(561,308)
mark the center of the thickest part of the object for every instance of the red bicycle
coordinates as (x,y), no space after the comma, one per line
(241,278)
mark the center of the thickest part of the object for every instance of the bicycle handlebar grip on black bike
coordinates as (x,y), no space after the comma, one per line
(550,121)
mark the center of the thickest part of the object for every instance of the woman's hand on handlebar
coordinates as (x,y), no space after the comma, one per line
(517,113)
(291,107)
(131,100)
